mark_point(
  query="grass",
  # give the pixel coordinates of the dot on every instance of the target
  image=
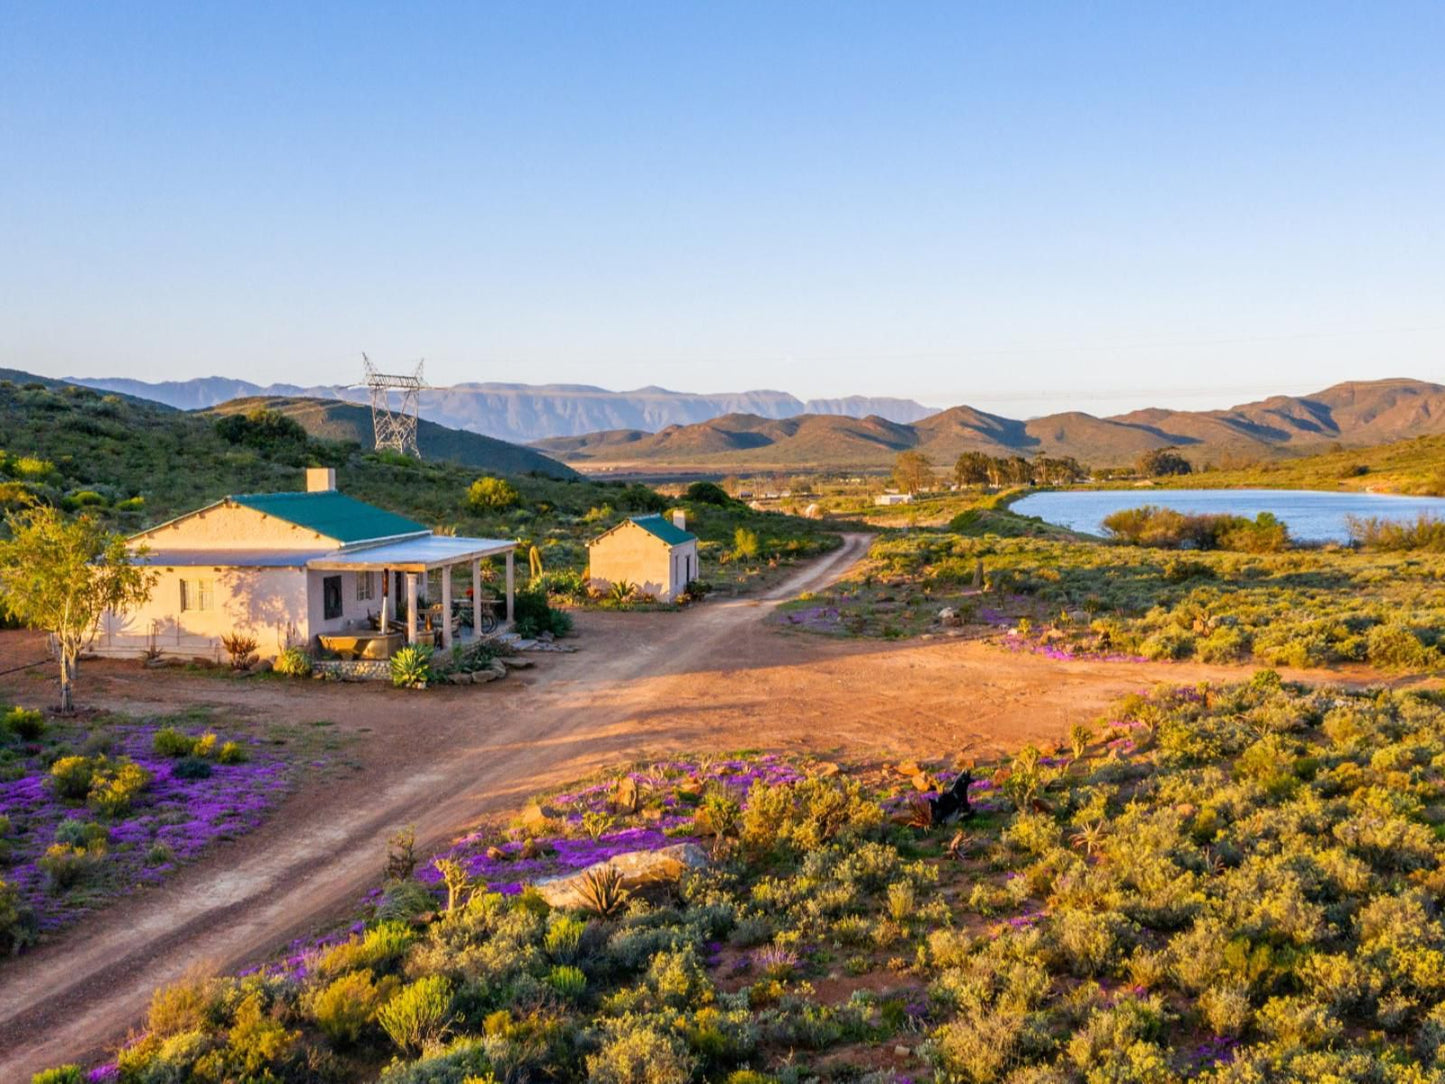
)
(1221, 883)
(1414, 467)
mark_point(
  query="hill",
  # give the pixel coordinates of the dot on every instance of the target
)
(1354, 414)
(328, 419)
(140, 462)
(529, 412)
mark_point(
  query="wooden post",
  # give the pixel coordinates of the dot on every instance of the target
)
(411, 607)
(477, 599)
(511, 584)
(446, 607)
(385, 601)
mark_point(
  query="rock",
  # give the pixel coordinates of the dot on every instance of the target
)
(496, 854)
(827, 769)
(948, 617)
(265, 666)
(900, 1051)
(923, 782)
(546, 637)
(637, 869)
(481, 677)
(496, 667)
(513, 663)
(203, 663)
(535, 817)
(908, 768)
(624, 795)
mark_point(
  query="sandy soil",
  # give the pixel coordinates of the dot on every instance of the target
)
(711, 678)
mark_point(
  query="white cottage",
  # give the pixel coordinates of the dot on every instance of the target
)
(657, 556)
(287, 568)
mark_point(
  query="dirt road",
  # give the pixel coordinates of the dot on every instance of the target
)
(714, 677)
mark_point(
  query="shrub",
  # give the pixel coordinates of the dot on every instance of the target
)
(568, 981)
(1393, 647)
(71, 777)
(24, 723)
(708, 493)
(745, 544)
(534, 616)
(65, 865)
(114, 790)
(293, 662)
(637, 1053)
(61, 1074)
(79, 833)
(602, 892)
(170, 742)
(257, 1040)
(419, 1014)
(411, 667)
(231, 753)
(241, 648)
(492, 494)
(192, 768)
(346, 1007)
(14, 918)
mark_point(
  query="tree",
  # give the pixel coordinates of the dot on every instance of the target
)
(971, 469)
(62, 575)
(1163, 461)
(495, 494)
(912, 471)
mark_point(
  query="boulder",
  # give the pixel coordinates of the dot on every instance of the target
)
(481, 677)
(511, 662)
(535, 818)
(948, 617)
(624, 795)
(637, 869)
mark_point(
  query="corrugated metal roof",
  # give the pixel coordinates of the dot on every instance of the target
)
(414, 554)
(226, 558)
(332, 514)
(664, 528)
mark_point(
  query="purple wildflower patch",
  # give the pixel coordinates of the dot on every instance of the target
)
(172, 821)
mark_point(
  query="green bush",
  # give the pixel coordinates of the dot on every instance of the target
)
(71, 777)
(293, 662)
(708, 493)
(170, 742)
(493, 494)
(114, 789)
(345, 1008)
(63, 1074)
(231, 753)
(411, 667)
(419, 1014)
(534, 616)
(23, 723)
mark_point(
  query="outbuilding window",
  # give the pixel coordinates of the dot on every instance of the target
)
(331, 597)
(198, 594)
(365, 586)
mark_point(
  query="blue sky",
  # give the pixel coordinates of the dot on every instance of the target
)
(1027, 207)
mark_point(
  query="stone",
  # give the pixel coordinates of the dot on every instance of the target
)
(496, 667)
(535, 817)
(512, 663)
(546, 637)
(481, 677)
(948, 617)
(496, 854)
(922, 782)
(827, 769)
(637, 869)
(265, 666)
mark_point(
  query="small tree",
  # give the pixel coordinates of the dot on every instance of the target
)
(1163, 461)
(913, 471)
(492, 494)
(62, 575)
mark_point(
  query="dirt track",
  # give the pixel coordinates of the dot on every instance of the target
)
(711, 678)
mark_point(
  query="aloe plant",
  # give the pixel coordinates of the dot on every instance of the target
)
(411, 668)
(602, 891)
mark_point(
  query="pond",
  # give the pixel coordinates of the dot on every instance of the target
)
(1312, 516)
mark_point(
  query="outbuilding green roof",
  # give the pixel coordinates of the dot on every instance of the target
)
(663, 528)
(332, 514)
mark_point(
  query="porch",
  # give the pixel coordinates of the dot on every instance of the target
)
(404, 566)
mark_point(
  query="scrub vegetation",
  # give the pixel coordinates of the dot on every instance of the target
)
(1231, 884)
(1219, 589)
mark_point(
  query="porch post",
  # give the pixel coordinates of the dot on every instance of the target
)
(411, 607)
(385, 601)
(477, 598)
(446, 607)
(511, 584)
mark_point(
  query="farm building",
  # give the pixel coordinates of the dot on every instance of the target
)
(656, 555)
(287, 569)
(886, 500)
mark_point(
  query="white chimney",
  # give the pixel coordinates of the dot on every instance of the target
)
(320, 479)
(679, 519)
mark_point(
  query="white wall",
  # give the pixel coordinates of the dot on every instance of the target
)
(231, 527)
(267, 604)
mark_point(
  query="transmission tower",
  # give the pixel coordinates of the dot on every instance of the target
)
(395, 428)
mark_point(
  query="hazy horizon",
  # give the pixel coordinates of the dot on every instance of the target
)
(1023, 210)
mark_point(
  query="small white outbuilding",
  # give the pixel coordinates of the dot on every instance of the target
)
(656, 555)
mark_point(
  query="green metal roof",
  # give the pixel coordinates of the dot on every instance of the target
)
(664, 529)
(332, 514)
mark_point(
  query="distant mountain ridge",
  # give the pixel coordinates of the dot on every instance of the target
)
(1355, 413)
(525, 413)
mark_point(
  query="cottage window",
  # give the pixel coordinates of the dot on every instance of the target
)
(198, 595)
(365, 586)
(331, 597)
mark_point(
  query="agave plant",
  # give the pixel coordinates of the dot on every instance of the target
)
(602, 891)
(920, 814)
(622, 591)
(293, 662)
(411, 668)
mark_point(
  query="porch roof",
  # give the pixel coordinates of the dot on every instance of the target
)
(413, 554)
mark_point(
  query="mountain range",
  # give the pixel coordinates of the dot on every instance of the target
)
(523, 413)
(1356, 413)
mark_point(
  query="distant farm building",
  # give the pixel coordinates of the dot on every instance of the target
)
(886, 500)
(287, 569)
(656, 555)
